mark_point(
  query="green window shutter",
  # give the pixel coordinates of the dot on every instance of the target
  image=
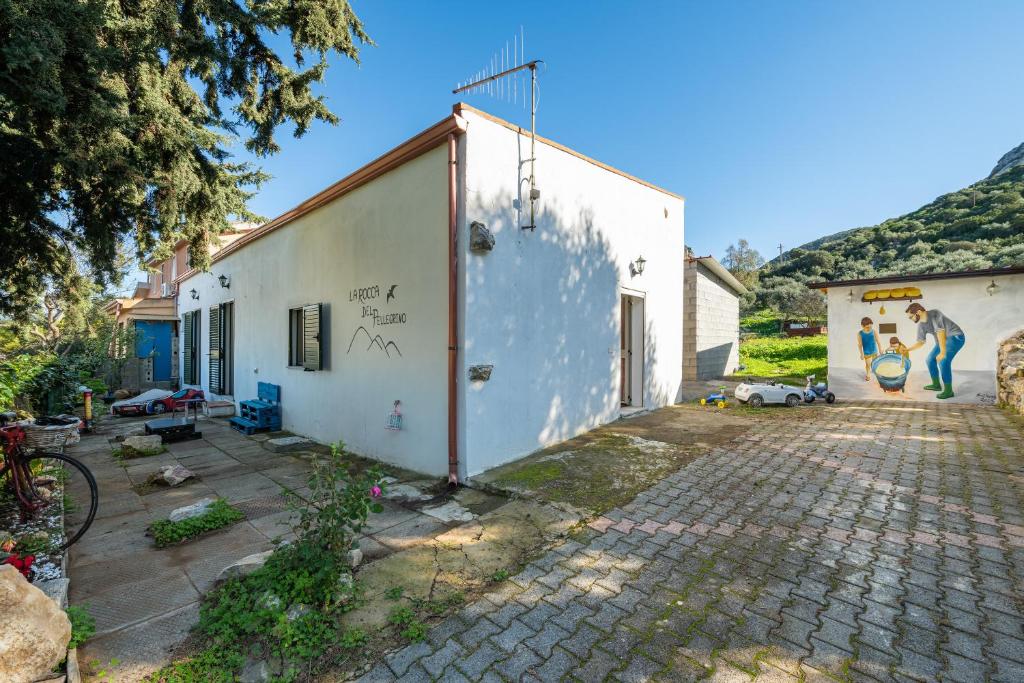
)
(186, 344)
(312, 335)
(215, 350)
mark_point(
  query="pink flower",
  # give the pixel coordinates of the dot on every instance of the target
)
(375, 492)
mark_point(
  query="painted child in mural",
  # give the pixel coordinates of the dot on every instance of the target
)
(949, 339)
(868, 344)
(896, 346)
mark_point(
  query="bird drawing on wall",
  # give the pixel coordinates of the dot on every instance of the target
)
(391, 293)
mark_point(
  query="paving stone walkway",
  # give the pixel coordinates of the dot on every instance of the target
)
(867, 542)
(145, 600)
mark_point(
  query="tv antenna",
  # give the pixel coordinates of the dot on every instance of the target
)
(501, 78)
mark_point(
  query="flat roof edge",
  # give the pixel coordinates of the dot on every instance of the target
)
(986, 272)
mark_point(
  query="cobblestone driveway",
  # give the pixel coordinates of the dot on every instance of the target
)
(862, 542)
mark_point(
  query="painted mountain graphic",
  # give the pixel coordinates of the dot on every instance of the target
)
(376, 342)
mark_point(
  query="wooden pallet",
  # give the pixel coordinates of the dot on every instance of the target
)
(261, 414)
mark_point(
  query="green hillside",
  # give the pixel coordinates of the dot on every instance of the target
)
(981, 226)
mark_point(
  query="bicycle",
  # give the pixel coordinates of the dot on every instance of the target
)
(32, 476)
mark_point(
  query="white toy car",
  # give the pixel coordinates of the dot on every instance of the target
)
(756, 395)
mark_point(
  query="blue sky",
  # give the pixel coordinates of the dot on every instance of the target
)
(779, 121)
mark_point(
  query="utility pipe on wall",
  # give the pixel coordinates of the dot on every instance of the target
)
(453, 310)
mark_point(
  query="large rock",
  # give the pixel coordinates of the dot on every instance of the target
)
(172, 475)
(245, 566)
(194, 510)
(146, 442)
(36, 632)
(1010, 373)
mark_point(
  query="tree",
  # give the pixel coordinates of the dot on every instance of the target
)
(116, 120)
(743, 261)
(808, 305)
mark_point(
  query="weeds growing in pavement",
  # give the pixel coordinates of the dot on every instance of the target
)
(289, 611)
(219, 514)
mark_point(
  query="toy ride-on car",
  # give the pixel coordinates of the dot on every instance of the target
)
(717, 398)
(177, 400)
(756, 395)
(819, 390)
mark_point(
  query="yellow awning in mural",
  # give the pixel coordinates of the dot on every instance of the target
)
(896, 293)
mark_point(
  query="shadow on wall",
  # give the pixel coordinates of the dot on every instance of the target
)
(714, 362)
(543, 306)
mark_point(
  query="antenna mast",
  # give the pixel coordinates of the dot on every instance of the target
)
(507, 82)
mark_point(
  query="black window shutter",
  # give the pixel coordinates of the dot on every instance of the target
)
(312, 333)
(215, 351)
(186, 324)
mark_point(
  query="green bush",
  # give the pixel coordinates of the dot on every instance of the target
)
(220, 514)
(37, 382)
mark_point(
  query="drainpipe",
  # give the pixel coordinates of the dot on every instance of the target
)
(453, 321)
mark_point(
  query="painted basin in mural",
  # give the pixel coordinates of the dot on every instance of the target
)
(890, 369)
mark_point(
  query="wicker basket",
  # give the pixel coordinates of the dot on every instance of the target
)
(51, 437)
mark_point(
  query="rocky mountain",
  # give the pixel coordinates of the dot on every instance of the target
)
(979, 226)
(1015, 157)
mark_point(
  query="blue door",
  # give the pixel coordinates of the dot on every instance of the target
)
(153, 338)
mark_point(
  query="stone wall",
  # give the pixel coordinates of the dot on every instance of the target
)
(1010, 372)
(711, 325)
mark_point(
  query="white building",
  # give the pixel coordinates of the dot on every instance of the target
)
(711, 323)
(896, 354)
(512, 340)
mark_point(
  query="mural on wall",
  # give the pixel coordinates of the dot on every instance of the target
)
(890, 364)
(365, 297)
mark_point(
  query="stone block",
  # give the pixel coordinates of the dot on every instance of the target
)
(245, 566)
(194, 510)
(145, 442)
(287, 444)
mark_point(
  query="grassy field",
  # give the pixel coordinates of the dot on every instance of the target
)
(785, 358)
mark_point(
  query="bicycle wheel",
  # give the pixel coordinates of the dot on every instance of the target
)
(77, 490)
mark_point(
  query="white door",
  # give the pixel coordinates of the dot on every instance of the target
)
(631, 361)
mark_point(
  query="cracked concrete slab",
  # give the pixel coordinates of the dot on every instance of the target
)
(462, 559)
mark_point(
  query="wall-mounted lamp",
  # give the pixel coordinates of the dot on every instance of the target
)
(195, 294)
(225, 281)
(849, 297)
(992, 288)
(637, 267)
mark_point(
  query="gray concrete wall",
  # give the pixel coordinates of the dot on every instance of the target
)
(711, 325)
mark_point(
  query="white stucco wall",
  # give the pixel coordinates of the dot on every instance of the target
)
(711, 325)
(392, 231)
(543, 306)
(985, 320)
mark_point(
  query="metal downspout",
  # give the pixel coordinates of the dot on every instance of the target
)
(453, 311)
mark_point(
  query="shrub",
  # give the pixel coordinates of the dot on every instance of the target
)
(220, 514)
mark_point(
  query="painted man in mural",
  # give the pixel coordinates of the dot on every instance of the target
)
(949, 339)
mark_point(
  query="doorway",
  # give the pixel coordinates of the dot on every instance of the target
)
(631, 360)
